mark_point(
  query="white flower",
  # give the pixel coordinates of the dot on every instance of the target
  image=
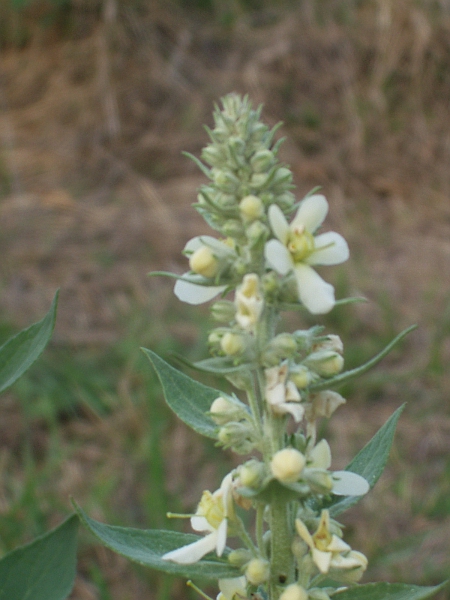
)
(211, 518)
(328, 550)
(298, 250)
(281, 395)
(249, 302)
(206, 253)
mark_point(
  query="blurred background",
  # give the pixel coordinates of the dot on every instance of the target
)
(98, 98)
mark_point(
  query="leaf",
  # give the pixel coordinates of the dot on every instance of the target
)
(43, 569)
(188, 399)
(146, 547)
(347, 375)
(388, 591)
(219, 365)
(20, 352)
(370, 461)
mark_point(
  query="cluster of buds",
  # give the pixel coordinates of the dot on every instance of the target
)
(268, 263)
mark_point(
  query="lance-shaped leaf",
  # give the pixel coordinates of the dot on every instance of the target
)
(388, 591)
(188, 399)
(43, 569)
(369, 462)
(147, 547)
(348, 375)
(19, 352)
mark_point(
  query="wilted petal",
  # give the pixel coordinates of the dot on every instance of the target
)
(196, 294)
(316, 294)
(311, 213)
(278, 257)
(346, 483)
(192, 553)
(278, 223)
(332, 249)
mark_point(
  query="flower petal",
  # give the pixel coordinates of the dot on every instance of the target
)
(192, 553)
(221, 537)
(347, 483)
(233, 587)
(278, 257)
(278, 223)
(313, 291)
(322, 560)
(311, 213)
(320, 456)
(199, 523)
(196, 294)
(331, 249)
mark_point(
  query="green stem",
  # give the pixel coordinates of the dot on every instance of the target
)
(282, 564)
(259, 527)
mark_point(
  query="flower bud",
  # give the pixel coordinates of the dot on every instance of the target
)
(285, 201)
(212, 155)
(237, 144)
(294, 592)
(223, 410)
(226, 181)
(237, 436)
(281, 347)
(262, 160)
(282, 177)
(251, 473)
(332, 342)
(320, 481)
(287, 465)
(258, 180)
(258, 131)
(232, 344)
(238, 558)
(257, 571)
(301, 376)
(222, 311)
(233, 228)
(256, 232)
(251, 208)
(325, 363)
(203, 262)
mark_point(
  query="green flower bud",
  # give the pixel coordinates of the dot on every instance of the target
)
(282, 177)
(258, 131)
(225, 181)
(223, 311)
(262, 160)
(281, 347)
(238, 558)
(257, 232)
(237, 436)
(251, 474)
(301, 376)
(257, 571)
(258, 180)
(285, 201)
(325, 363)
(237, 144)
(223, 410)
(232, 344)
(212, 155)
(320, 481)
(233, 228)
(251, 208)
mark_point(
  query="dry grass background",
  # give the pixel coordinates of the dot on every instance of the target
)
(95, 111)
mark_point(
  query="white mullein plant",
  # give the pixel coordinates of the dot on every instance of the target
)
(262, 262)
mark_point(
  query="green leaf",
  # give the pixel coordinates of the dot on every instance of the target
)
(43, 569)
(221, 366)
(188, 399)
(369, 462)
(347, 375)
(146, 547)
(20, 352)
(388, 591)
